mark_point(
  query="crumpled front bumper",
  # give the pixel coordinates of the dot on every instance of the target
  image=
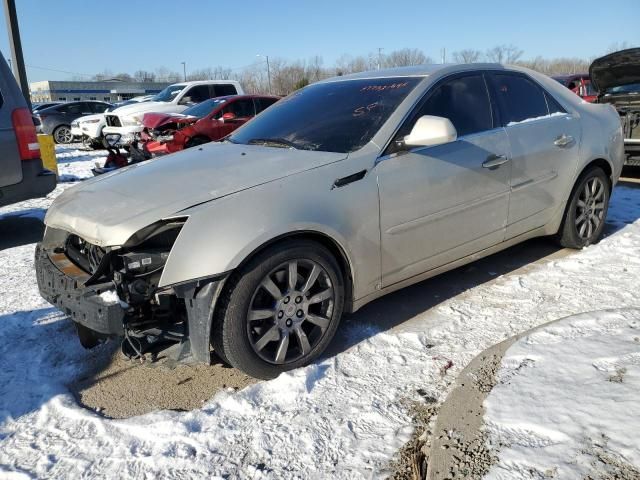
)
(88, 306)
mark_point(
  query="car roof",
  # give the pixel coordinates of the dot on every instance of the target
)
(416, 71)
(203, 82)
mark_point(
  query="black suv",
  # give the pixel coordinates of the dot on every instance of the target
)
(21, 173)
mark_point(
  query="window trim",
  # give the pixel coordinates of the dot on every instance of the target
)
(495, 114)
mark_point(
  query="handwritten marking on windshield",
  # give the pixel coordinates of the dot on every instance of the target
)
(382, 88)
(364, 109)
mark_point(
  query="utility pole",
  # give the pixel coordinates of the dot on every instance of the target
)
(380, 57)
(16, 49)
(184, 70)
(444, 55)
(268, 70)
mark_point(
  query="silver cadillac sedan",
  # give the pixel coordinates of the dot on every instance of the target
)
(344, 191)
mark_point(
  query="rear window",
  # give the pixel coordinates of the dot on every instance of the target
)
(519, 98)
(264, 103)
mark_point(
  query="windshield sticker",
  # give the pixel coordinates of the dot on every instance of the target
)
(382, 88)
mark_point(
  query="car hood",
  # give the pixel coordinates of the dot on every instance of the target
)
(144, 107)
(155, 120)
(86, 118)
(616, 69)
(109, 209)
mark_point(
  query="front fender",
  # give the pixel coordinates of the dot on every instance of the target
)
(220, 235)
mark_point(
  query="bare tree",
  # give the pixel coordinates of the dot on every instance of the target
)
(617, 46)
(405, 57)
(467, 55)
(144, 76)
(504, 54)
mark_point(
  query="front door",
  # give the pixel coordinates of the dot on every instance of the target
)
(441, 203)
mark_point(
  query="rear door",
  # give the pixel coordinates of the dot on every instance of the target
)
(10, 163)
(544, 141)
(223, 89)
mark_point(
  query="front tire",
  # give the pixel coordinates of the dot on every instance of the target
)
(280, 310)
(586, 211)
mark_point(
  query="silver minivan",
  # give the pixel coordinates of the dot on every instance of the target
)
(22, 175)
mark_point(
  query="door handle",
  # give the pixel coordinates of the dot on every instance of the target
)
(494, 161)
(563, 141)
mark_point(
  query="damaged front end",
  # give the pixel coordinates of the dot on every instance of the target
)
(161, 133)
(115, 292)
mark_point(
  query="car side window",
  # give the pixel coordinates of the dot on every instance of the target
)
(72, 109)
(463, 100)
(223, 89)
(553, 105)
(264, 103)
(241, 108)
(519, 98)
(99, 107)
(197, 94)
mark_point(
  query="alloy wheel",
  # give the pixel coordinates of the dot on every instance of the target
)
(290, 311)
(590, 208)
(63, 135)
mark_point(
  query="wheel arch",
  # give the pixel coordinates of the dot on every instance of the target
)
(331, 244)
(603, 163)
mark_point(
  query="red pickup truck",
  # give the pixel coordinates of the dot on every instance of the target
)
(580, 84)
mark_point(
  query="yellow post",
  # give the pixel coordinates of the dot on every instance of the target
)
(48, 152)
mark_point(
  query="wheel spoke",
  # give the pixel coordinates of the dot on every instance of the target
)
(580, 219)
(272, 288)
(581, 204)
(260, 314)
(582, 230)
(599, 191)
(321, 297)
(594, 183)
(293, 275)
(589, 228)
(281, 354)
(303, 340)
(596, 221)
(322, 322)
(587, 192)
(272, 335)
(313, 276)
(599, 206)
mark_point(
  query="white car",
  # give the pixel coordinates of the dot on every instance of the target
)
(126, 121)
(89, 128)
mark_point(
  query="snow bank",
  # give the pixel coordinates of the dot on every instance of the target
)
(567, 398)
(340, 418)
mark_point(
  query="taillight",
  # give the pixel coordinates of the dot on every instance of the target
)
(25, 131)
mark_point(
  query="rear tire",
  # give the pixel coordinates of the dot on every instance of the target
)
(62, 134)
(586, 211)
(266, 330)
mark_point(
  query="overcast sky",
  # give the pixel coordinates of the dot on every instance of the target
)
(87, 37)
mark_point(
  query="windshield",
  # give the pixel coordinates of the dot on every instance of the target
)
(631, 88)
(168, 93)
(204, 108)
(331, 117)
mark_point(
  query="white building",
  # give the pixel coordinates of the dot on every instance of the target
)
(112, 90)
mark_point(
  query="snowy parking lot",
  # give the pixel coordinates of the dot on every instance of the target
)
(345, 416)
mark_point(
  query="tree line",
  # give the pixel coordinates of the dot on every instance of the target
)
(287, 76)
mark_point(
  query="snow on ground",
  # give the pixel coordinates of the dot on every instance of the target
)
(340, 418)
(566, 402)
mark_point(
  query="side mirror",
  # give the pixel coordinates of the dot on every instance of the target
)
(229, 116)
(430, 130)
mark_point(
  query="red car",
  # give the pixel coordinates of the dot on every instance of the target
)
(210, 120)
(580, 84)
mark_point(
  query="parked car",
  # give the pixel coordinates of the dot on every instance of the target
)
(126, 122)
(617, 78)
(22, 175)
(580, 84)
(41, 106)
(57, 120)
(345, 190)
(210, 120)
(89, 128)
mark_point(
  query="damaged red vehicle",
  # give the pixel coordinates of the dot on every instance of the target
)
(210, 120)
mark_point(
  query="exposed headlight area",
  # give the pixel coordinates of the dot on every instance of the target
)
(119, 285)
(131, 122)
